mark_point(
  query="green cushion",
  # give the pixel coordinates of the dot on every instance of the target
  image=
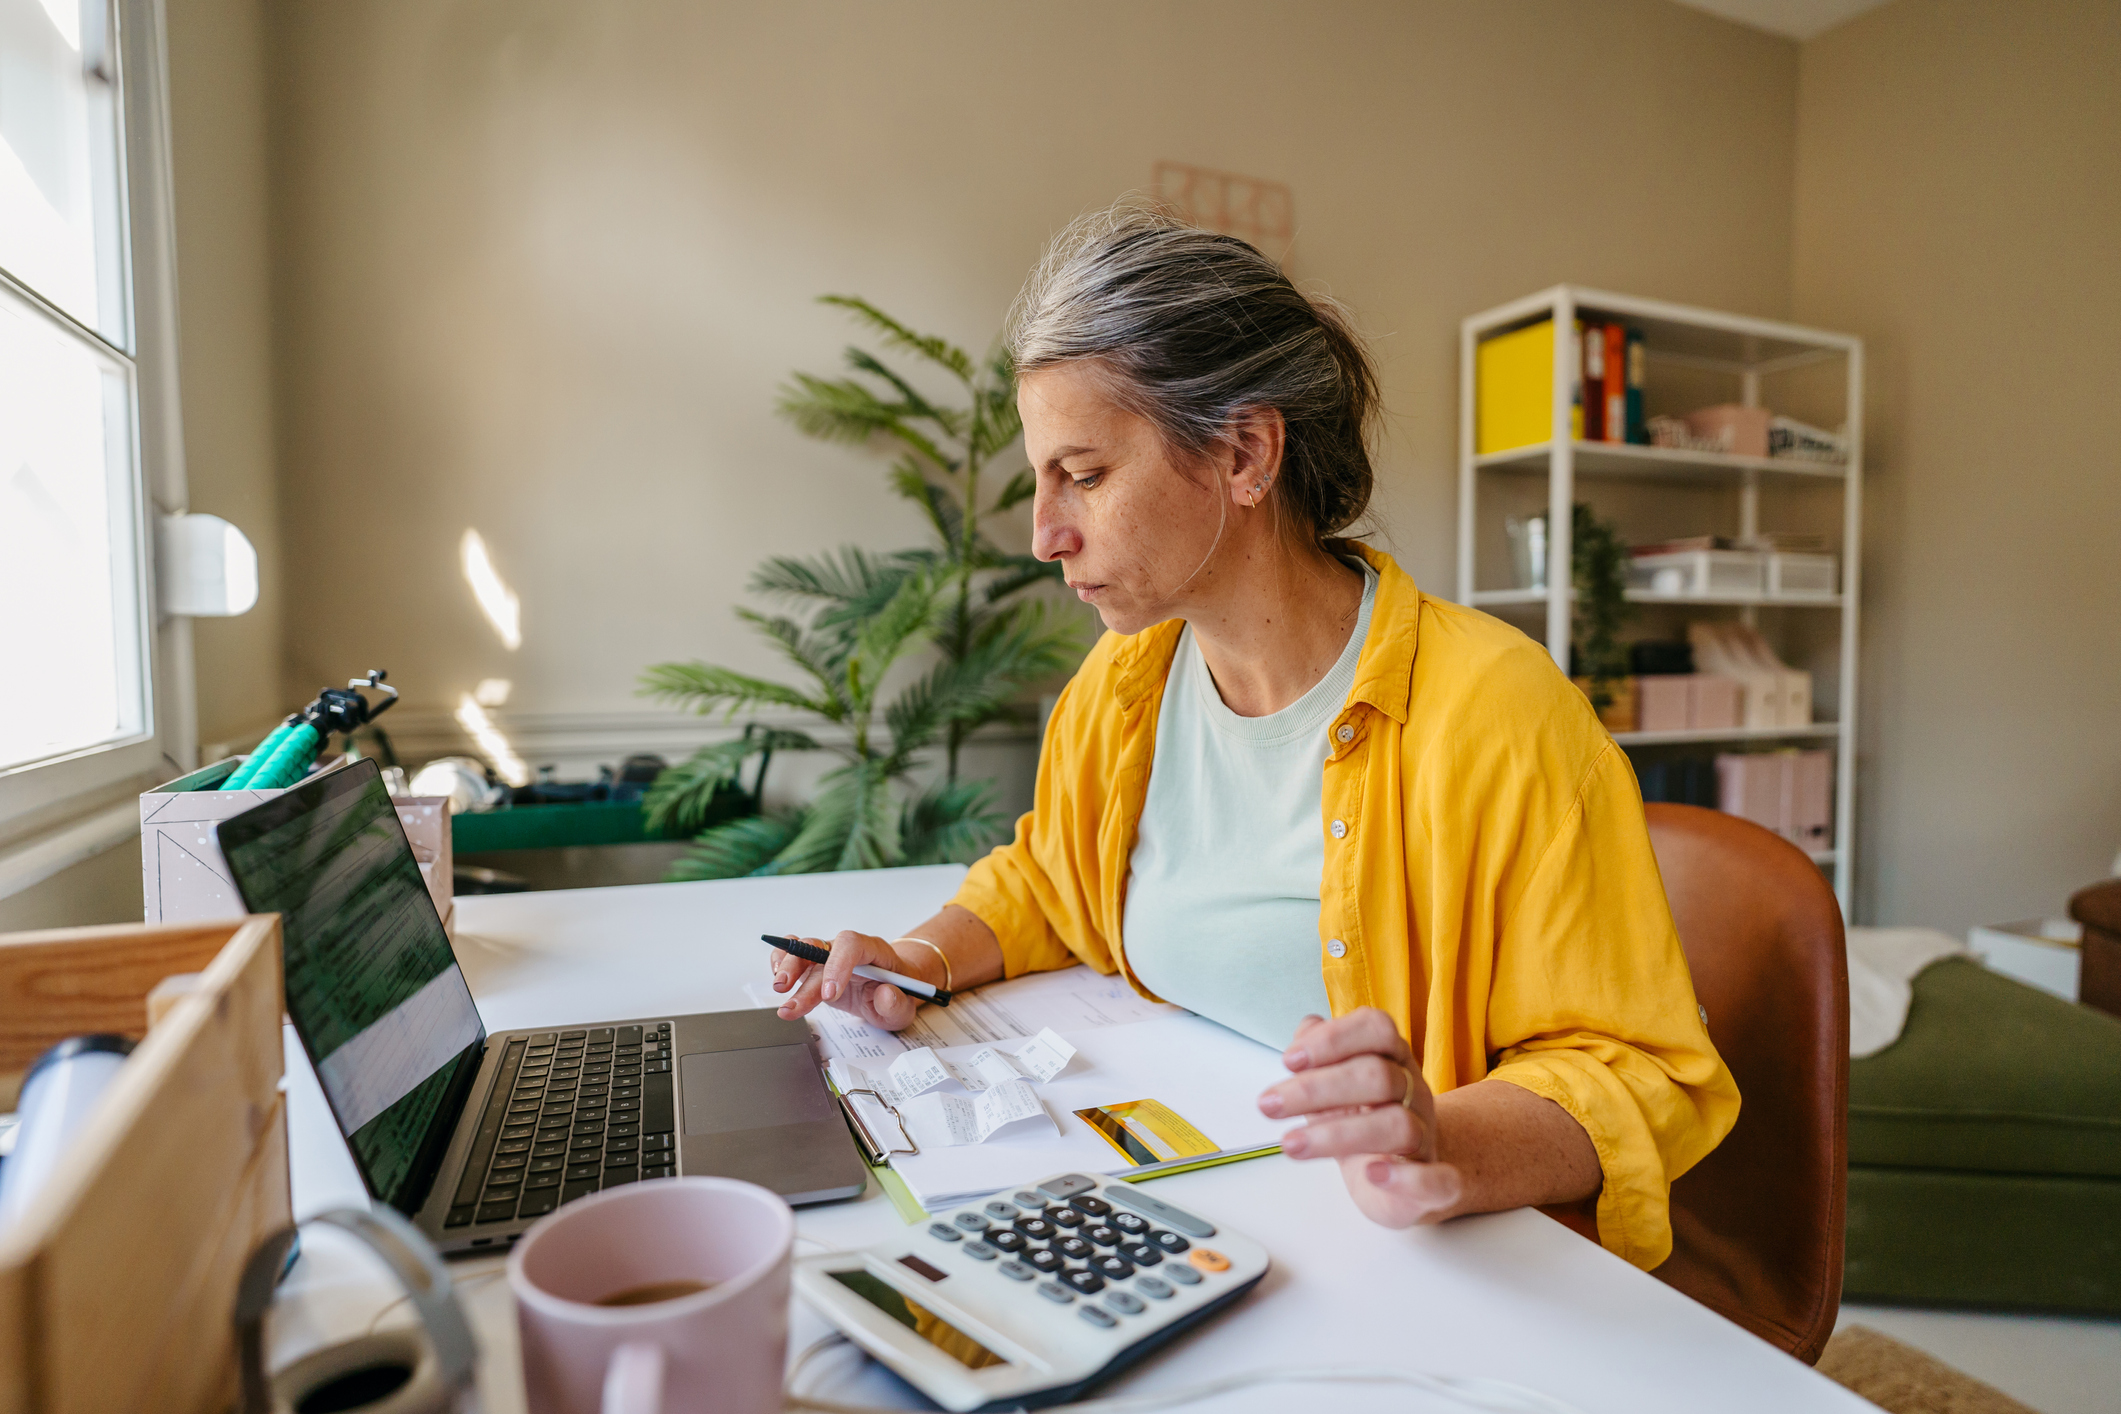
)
(1991, 1076)
(1931, 1238)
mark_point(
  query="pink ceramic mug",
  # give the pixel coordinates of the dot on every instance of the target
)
(665, 1297)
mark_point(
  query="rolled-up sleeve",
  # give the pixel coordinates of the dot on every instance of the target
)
(1036, 891)
(1592, 1007)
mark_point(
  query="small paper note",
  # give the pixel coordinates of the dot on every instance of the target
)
(912, 1073)
(1045, 1055)
(999, 1086)
(1041, 1058)
(946, 1121)
(920, 1070)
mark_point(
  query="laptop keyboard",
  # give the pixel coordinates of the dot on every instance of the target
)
(572, 1112)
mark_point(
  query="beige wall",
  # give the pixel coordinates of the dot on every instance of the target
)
(1959, 204)
(218, 128)
(542, 265)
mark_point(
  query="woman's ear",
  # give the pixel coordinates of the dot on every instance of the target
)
(1254, 438)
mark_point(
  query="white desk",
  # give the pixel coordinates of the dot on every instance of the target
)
(1511, 1295)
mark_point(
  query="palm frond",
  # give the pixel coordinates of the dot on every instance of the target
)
(951, 822)
(815, 847)
(887, 634)
(704, 687)
(1021, 572)
(851, 576)
(1020, 488)
(852, 823)
(821, 657)
(950, 420)
(678, 800)
(854, 585)
(936, 502)
(995, 420)
(873, 838)
(929, 346)
(835, 410)
(1003, 652)
(739, 847)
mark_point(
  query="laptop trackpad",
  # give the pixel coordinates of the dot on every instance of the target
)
(752, 1089)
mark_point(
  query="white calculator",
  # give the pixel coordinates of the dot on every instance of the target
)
(1034, 1295)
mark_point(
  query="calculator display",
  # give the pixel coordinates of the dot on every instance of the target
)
(918, 1319)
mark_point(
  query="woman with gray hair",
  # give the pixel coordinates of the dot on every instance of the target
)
(1293, 793)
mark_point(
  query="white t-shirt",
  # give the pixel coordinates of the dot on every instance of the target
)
(1222, 894)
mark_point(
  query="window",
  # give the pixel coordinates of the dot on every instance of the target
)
(81, 153)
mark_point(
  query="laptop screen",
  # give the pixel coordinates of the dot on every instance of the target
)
(372, 985)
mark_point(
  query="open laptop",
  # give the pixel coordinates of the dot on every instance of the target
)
(475, 1137)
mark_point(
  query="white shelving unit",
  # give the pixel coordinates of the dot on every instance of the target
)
(1704, 341)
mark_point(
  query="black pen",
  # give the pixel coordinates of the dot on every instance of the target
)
(911, 986)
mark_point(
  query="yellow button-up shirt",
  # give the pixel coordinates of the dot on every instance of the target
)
(1488, 882)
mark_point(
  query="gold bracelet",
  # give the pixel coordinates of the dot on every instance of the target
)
(948, 985)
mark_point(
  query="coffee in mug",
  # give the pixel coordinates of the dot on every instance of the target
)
(664, 1297)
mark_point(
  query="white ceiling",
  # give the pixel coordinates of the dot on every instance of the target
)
(1793, 19)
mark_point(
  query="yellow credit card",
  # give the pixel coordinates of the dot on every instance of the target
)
(1147, 1131)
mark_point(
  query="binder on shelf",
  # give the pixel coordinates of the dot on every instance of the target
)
(1638, 376)
(1591, 386)
(1615, 427)
(1513, 390)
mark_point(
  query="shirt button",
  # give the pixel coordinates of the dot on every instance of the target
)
(1345, 734)
(1340, 829)
(1336, 948)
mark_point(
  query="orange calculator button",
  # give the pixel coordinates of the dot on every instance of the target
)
(1208, 1259)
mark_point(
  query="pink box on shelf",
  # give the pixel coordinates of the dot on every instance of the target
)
(1678, 702)
(1789, 792)
(1743, 431)
(1717, 703)
(1661, 703)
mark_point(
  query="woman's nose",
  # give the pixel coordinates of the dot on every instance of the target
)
(1051, 534)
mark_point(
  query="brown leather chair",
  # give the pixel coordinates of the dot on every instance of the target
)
(1757, 1225)
(2098, 908)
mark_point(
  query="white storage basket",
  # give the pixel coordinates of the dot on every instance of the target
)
(1696, 574)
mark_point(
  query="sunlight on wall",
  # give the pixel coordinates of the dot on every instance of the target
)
(499, 603)
(492, 745)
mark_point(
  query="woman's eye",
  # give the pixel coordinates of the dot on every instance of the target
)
(1084, 483)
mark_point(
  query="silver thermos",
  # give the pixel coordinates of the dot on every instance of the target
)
(57, 1095)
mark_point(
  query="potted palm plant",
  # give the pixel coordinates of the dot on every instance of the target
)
(853, 614)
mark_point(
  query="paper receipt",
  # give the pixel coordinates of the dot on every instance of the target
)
(999, 1086)
(920, 1070)
(943, 1121)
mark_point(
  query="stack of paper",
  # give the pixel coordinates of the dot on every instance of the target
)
(1148, 1087)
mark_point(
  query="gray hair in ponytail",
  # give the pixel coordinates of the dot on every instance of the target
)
(1194, 328)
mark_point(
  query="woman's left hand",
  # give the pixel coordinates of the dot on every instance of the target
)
(1365, 1103)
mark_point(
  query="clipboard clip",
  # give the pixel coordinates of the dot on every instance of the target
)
(877, 1153)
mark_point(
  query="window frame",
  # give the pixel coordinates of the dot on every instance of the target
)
(49, 797)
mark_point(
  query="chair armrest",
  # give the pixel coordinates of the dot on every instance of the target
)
(2098, 906)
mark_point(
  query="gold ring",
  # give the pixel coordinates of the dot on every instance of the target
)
(1406, 1101)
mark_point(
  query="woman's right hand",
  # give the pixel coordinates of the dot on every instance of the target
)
(878, 1003)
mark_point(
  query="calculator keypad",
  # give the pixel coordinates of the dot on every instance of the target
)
(1074, 1245)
